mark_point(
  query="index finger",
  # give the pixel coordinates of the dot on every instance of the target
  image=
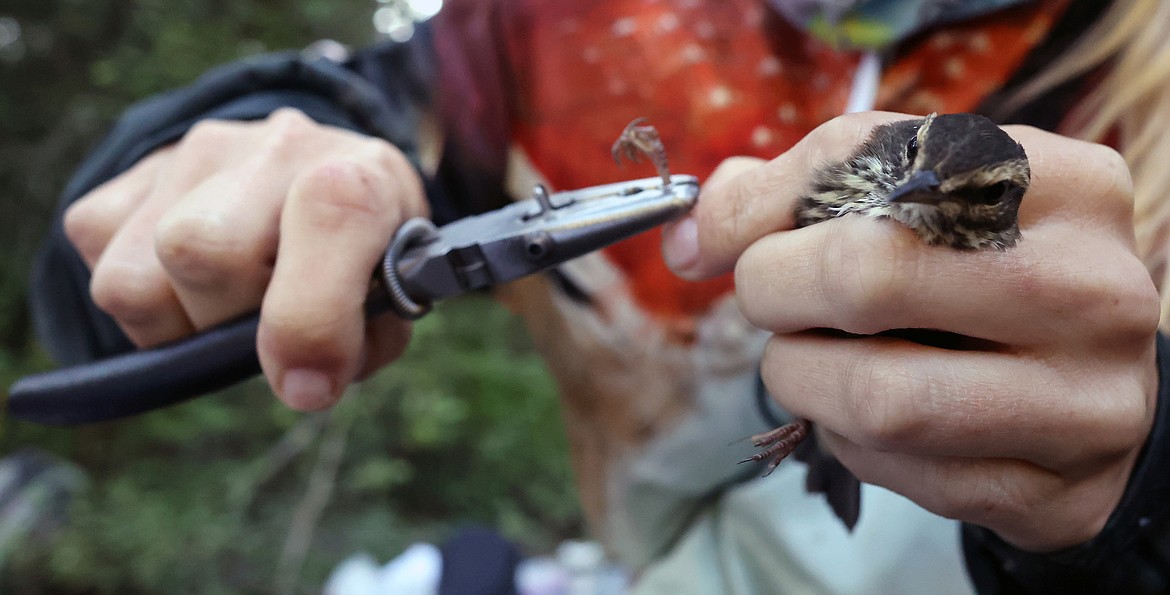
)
(733, 213)
(334, 230)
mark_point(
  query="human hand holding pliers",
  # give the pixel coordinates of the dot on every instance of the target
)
(422, 264)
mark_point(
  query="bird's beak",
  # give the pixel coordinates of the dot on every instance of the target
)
(922, 188)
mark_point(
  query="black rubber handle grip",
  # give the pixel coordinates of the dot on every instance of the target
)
(140, 381)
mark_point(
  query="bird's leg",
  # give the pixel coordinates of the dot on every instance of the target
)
(636, 140)
(779, 442)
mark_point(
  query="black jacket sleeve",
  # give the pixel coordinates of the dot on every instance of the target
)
(375, 92)
(1131, 555)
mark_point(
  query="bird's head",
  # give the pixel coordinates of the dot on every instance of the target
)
(964, 178)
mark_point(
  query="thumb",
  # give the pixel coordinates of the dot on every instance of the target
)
(747, 198)
(703, 244)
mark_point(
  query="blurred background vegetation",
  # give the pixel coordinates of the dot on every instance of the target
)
(234, 493)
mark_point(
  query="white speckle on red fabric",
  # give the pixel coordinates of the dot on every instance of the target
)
(667, 22)
(954, 67)
(770, 66)
(720, 96)
(787, 113)
(694, 53)
(762, 136)
(624, 27)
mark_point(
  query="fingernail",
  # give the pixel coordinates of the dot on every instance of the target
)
(306, 389)
(680, 245)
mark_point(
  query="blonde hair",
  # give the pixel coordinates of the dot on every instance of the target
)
(1132, 101)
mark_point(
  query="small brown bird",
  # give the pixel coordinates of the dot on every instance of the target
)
(955, 179)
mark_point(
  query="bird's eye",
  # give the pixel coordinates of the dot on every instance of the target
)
(912, 149)
(988, 195)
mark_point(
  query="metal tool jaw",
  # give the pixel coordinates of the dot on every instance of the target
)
(424, 263)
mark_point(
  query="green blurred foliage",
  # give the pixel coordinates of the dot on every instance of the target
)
(214, 495)
(463, 429)
(83, 61)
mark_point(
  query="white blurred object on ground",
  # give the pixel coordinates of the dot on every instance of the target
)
(415, 571)
(577, 568)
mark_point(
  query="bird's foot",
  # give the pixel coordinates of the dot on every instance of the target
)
(637, 140)
(779, 443)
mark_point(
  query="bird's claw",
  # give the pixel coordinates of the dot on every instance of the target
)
(637, 140)
(780, 443)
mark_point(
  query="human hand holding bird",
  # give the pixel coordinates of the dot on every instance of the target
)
(1029, 418)
(956, 180)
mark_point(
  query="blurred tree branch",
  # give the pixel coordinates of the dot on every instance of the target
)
(318, 491)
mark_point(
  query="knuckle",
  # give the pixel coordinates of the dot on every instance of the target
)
(1096, 290)
(1096, 180)
(285, 129)
(85, 227)
(207, 133)
(132, 295)
(343, 191)
(838, 130)
(1117, 182)
(1117, 416)
(982, 497)
(734, 166)
(396, 175)
(1134, 304)
(776, 377)
(831, 140)
(386, 156)
(1118, 299)
(861, 277)
(200, 250)
(723, 222)
(741, 214)
(288, 118)
(751, 291)
(884, 407)
(1070, 291)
